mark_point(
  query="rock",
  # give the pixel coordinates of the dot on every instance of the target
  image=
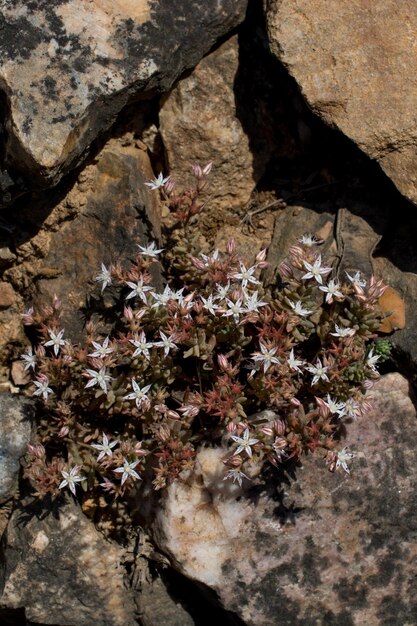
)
(68, 67)
(15, 431)
(157, 607)
(62, 571)
(100, 219)
(198, 124)
(7, 295)
(356, 67)
(326, 548)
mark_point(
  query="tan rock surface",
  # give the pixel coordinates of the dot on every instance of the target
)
(355, 62)
(68, 67)
(319, 547)
(198, 124)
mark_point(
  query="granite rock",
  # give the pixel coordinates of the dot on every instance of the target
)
(320, 548)
(68, 67)
(15, 431)
(62, 571)
(356, 65)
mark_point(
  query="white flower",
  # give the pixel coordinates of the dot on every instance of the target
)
(252, 303)
(210, 259)
(127, 469)
(30, 359)
(356, 279)
(71, 477)
(315, 270)
(138, 290)
(266, 356)
(101, 350)
(42, 388)
(222, 291)
(235, 309)
(150, 250)
(245, 442)
(342, 457)
(56, 340)
(246, 275)
(236, 475)
(142, 346)
(156, 183)
(105, 447)
(294, 363)
(164, 297)
(372, 359)
(319, 372)
(166, 343)
(352, 408)
(309, 240)
(335, 407)
(209, 305)
(98, 378)
(298, 308)
(332, 290)
(104, 277)
(138, 394)
(343, 332)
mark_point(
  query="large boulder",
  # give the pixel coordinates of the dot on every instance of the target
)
(356, 65)
(62, 571)
(198, 124)
(320, 548)
(68, 67)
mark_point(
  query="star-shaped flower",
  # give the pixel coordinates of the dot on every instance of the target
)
(319, 372)
(104, 277)
(234, 309)
(101, 350)
(105, 447)
(166, 343)
(315, 270)
(138, 290)
(335, 407)
(294, 363)
(252, 303)
(298, 308)
(332, 290)
(158, 182)
(42, 387)
(138, 394)
(99, 378)
(71, 478)
(246, 275)
(266, 356)
(309, 240)
(209, 305)
(372, 359)
(356, 279)
(341, 331)
(245, 442)
(30, 359)
(343, 456)
(236, 475)
(56, 340)
(150, 250)
(142, 346)
(127, 469)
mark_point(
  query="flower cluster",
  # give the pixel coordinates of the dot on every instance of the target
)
(200, 361)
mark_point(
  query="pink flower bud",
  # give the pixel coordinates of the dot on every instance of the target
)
(198, 263)
(295, 402)
(234, 461)
(279, 427)
(27, 317)
(231, 427)
(222, 361)
(173, 415)
(169, 186)
(262, 265)
(266, 430)
(230, 247)
(63, 431)
(128, 313)
(261, 256)
(196, 169)
(207, 168)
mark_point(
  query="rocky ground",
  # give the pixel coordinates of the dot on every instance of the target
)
(308, 113)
